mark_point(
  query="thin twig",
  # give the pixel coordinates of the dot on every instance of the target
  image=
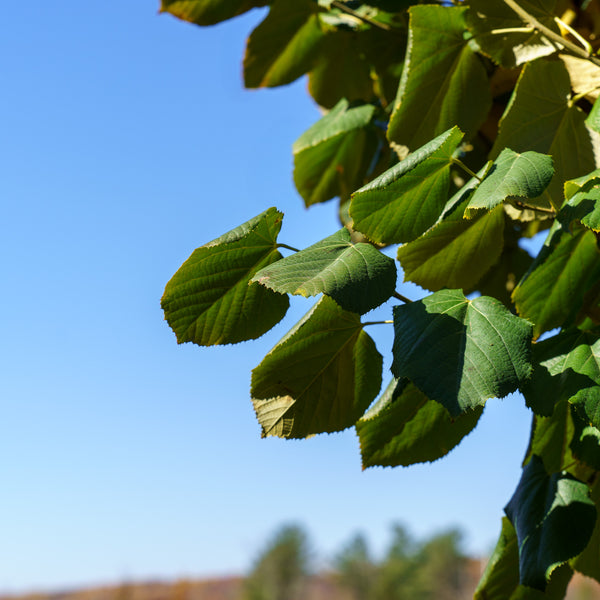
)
(402, 298)
(525, 206)
(461, 164)
(548, 33)
(377, 323)
(363, 18)
(288, 247)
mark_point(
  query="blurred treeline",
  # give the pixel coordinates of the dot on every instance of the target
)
(288, 568)
(430, 569)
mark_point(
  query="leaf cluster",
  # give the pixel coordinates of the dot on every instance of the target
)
(451, 133)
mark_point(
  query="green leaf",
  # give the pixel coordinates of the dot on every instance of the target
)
(512, 175)
(574, 185)
(444, 82)
(502, 278)
(461, 352)
(542, 118)
(455, 252)
(342, 70)
(404, 427)
(553, 516)
(551, 437)
(208, 12)
(588, 562)
(551, 293)
(208, 301)
(567, 367)
(585, 443)
(357, 276)
(489, 18)
(320, 377)
(583, 205)
(284, 46)
(593, 119)
(333, 156)
(407, 199)
(500, 580)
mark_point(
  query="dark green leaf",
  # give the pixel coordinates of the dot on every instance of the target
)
(443, 82)
(553, 516)
(500, 580)
(208, 301)
(404, 427)
(567, 367)
(407, 199)
(551, 437)
(284, 46)
(320, 377)
(585, 443)
(456, 252)
(551, 293)
(461, 352)
(332, 157)
(588, 562)
(342, 70)
(357, 276)
(512, 175)
(542, 118)
(208, 12)
(502, 278)
(489, 20)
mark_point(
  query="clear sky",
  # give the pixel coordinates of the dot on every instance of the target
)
(127, 141)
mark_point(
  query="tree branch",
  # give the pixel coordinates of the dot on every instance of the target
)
(402, 298)
(346, 9)
(548, 33)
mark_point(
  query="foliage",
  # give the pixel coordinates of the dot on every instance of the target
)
(453, 130)
(433, 569)
(281, 569)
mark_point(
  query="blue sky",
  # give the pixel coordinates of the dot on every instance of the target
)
(127, 141)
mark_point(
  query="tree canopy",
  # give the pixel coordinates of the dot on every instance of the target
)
(450, 133)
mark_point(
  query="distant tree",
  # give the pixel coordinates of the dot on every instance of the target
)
(282, 568)
(355, 569)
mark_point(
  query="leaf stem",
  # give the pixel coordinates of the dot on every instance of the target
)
(288, 247)
(549, 34)
(586, 45)
(512, 30)
(402, 298)
(464, 167)
(525, 206)
(346, 9)
(377, 323)
(577, 97)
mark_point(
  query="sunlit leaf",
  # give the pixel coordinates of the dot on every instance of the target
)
(208, 12)
(542, 118)
(208, 301)
(404, 427)
(357, 276)
(553, 516)
(332, 157)
(568, 369)
(320, 377)
(407, 199)
(284, 46)
(496, 28)
(551, 293)
(456, 252)
(512, 176)
(444, 82)
(461, 352)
